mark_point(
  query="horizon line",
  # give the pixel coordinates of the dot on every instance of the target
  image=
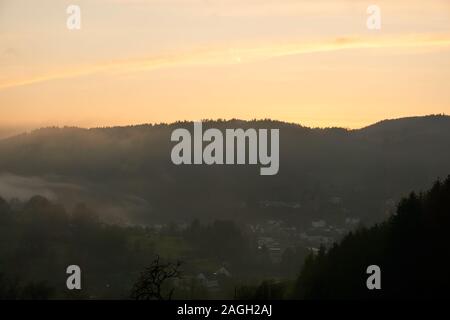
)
(32, 130)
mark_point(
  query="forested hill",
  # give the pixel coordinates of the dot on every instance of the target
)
(411, 249)
(324, 173)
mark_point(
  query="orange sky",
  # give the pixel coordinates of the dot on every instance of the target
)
(139, 61)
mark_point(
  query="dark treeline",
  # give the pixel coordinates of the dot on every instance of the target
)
(39, 239)
(411, 248)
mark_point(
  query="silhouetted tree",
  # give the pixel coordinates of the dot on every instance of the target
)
(152, 282)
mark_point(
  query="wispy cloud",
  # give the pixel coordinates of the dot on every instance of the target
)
(243, 54)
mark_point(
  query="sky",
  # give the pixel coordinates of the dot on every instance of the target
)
(312, 62)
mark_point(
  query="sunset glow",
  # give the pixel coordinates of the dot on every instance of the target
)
(313, 63)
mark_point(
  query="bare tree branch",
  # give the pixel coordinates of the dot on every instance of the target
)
(152, 280)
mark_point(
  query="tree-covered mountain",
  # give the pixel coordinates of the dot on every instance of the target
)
(327, 174)
(256, 227)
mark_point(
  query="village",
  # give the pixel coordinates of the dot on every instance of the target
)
(273, 239)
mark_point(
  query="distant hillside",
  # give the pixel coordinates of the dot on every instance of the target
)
(324, 173)
(8, 131)
(408, 128)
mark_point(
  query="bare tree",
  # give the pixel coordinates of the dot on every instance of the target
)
(150, 285)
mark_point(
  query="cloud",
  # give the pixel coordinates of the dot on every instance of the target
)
(10, 52)
(23, 188)
(242, 54)
(112, 207)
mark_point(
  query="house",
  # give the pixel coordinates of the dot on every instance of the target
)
(223, 272)
(319, 224)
